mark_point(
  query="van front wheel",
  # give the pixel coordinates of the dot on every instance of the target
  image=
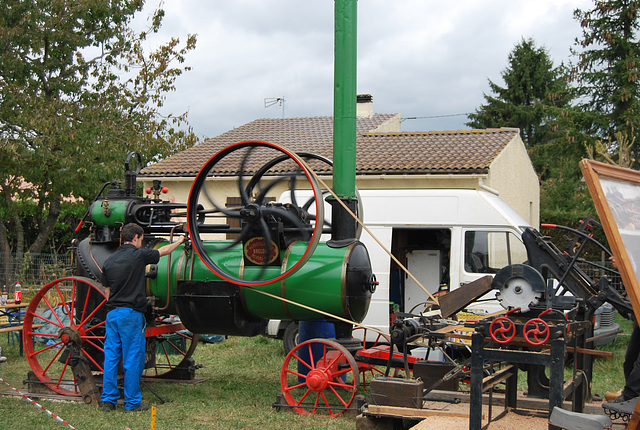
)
(290, 337)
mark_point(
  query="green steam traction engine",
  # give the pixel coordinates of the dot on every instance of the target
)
(225, 280)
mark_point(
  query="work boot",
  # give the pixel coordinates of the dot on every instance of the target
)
(612, 395)
(108, 407)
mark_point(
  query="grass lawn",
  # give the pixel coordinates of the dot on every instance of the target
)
(241, 382)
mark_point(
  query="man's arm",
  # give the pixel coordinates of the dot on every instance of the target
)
(169, 248)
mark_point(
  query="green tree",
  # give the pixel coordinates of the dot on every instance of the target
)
(78, 93)
(608, 60)
(534, 92)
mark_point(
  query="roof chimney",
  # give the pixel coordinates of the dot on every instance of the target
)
(364, 106)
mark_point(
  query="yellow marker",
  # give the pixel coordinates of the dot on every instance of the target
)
(153, 417)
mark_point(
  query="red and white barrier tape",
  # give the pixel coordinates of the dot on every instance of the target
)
(51, 414)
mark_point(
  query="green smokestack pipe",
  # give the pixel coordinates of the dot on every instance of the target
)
(344, 99)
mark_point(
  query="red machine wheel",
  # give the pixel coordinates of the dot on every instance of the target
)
(174, 349)
(536, 331)
(371, 340)
(76, 306)
(502, 330)
(319, 377)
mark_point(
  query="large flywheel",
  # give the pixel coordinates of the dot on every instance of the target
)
(243, 211)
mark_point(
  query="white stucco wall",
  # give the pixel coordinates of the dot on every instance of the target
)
(515, 179)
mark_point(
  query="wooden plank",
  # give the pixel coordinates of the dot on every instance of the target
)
(459, 298)
(15, 306)
(397, 411)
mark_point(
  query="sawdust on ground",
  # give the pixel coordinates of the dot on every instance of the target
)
(511, 421)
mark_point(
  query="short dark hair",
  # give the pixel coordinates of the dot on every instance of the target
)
(130, 231)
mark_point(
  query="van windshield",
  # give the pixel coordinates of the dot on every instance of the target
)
(489, 251)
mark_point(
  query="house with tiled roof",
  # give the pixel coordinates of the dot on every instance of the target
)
(386, 157)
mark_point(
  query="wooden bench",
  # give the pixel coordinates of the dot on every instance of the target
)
(17, 328)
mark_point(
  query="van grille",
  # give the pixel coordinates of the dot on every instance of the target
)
(607, 317)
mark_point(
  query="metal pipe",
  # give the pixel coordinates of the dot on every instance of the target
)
(344, 99)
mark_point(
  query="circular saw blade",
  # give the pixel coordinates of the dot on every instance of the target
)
(518, 292)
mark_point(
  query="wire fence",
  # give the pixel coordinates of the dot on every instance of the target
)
(33, 271)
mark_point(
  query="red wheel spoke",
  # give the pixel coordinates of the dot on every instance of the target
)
(166, 354)
(73, 302)
(84, 321)
(63, 301)
(344, 403)
(180, 351)
(315, 404)
(340, 384)
(49, 321)
(333, 361)
(34, 333)
(306, 393)
(311, 359)
(98, 347)
(293, 387)
(302, 361)
(326, 402)
(54, 358)
(92, 360)
(61, 324)
(97, 325)
(66, 366)
(84, 307)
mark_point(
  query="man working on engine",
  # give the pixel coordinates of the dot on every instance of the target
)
(124, 282)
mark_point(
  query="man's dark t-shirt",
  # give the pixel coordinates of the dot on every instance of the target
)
(123, 273)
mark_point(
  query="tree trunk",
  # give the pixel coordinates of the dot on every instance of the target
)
(47, 227)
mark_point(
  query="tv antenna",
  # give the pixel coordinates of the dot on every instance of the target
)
(270, 101)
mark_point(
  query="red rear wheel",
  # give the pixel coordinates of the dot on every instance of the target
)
(71, 308)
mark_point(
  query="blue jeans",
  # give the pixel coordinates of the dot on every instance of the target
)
(125, 338)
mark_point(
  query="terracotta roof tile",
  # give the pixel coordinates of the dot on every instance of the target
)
(464, 151)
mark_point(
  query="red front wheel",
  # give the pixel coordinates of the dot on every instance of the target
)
(319, 377)
(73, 312)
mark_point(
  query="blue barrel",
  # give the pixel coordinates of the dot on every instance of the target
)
(313, 329)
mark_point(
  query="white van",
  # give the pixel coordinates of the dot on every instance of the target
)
(444, 237)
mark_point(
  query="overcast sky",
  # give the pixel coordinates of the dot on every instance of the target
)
(419, 58)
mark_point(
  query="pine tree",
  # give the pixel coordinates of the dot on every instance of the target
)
(606, 73)
(534, 91)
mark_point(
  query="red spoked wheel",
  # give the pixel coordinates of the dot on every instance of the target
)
(371, 340)
(74, 309)
(536, 331)
(174, 348)
(502, 330)
(319, 377)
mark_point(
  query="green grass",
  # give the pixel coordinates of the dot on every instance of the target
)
(607, 371)
(241, 383)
